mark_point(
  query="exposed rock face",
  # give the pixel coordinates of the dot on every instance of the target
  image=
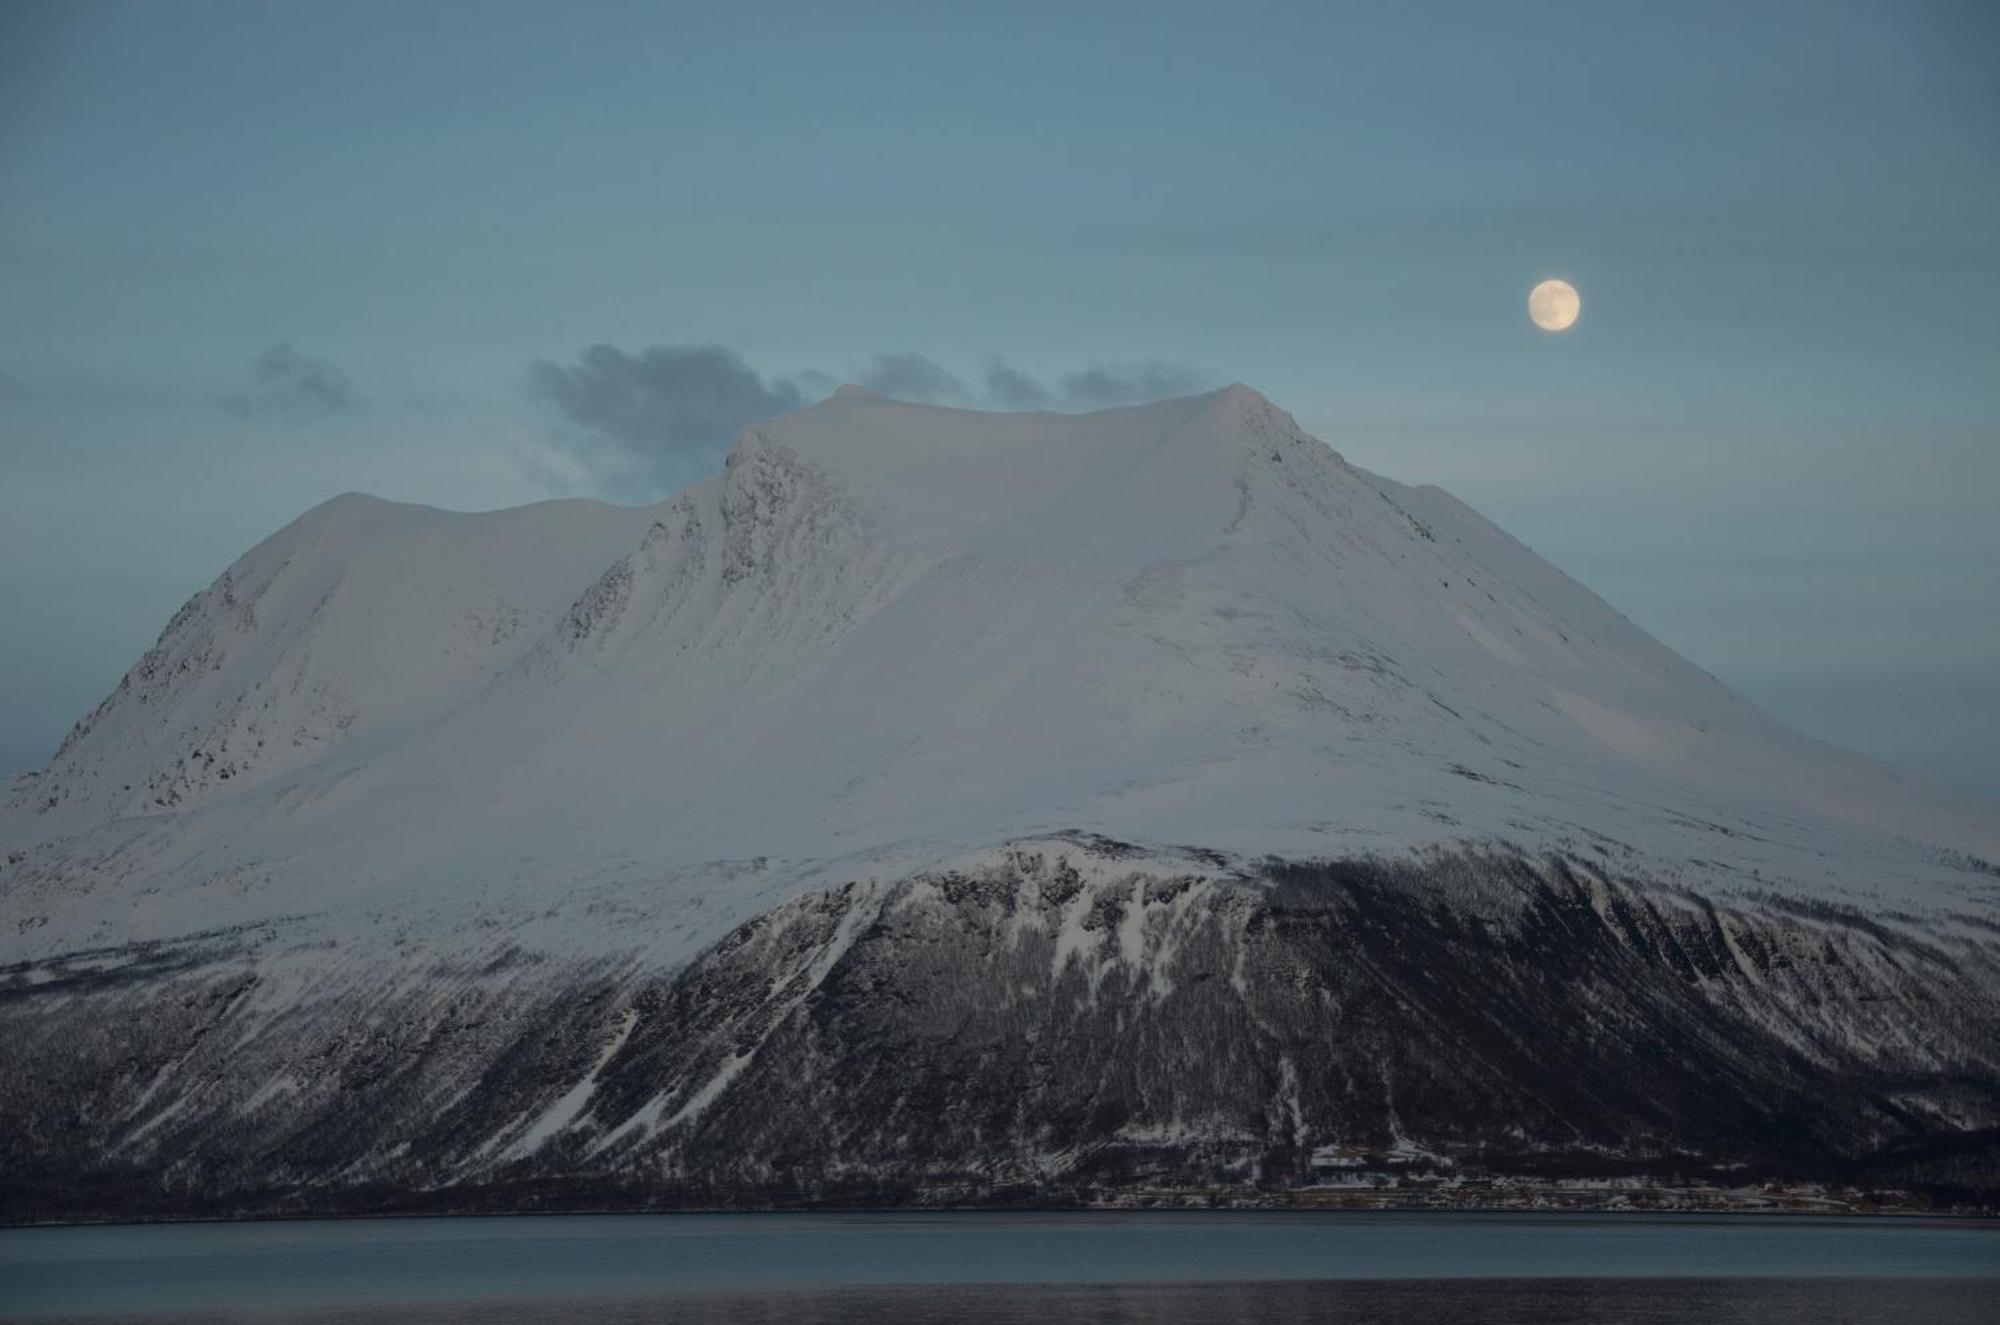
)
(1062, 1022)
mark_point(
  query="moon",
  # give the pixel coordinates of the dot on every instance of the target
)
(1554, 305)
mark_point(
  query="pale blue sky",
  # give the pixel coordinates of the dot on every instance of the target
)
(1774, 439)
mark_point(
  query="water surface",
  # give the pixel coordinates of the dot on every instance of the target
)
(1013, 1268)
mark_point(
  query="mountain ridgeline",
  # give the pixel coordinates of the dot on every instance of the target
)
(938, 807)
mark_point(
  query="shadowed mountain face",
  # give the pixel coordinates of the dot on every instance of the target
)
(776, 844)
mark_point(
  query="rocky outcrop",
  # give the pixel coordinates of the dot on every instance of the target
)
(1064, 1021)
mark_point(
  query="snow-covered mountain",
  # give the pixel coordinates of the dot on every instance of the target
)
(535, 847)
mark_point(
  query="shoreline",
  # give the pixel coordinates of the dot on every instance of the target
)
(1824, 1213)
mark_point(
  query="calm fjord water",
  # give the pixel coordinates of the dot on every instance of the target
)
(1012, 1267)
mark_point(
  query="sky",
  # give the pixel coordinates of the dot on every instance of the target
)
(254, 255)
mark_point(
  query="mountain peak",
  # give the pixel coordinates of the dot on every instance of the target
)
(1185, 621)
(1238, 391)
(544, 849)
(1121, 485)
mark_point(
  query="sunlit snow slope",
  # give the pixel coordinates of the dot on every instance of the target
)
(889, 634)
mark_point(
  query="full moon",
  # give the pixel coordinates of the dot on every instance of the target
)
(1554, 305)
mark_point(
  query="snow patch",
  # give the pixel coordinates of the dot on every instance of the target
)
(559, 1116)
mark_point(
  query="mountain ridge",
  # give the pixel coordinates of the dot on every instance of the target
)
(879, 604)
(578, 849)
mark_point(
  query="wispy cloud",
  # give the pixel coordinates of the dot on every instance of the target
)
(293, 388)
(910, 376)
(1105, 386)
(1009, 388)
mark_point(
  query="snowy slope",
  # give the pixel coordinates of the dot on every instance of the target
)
(891, 635)
(356, 616)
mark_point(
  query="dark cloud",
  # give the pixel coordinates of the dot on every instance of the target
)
(637, 425)
(294, 388)
(1100, 387)
(816, 384)
(910, 376)
(651, 419)
(1010, 388)
(1103, 387)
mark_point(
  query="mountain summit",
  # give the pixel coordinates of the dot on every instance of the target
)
(1131, 678)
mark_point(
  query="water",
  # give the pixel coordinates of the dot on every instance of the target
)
(1041, 1268)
